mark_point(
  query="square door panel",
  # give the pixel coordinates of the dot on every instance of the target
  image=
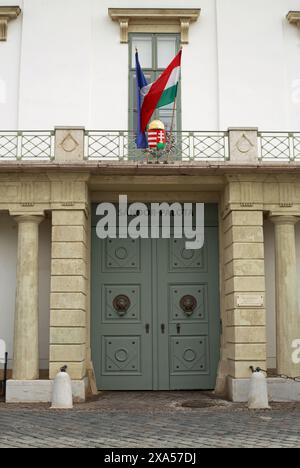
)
(189, 354)
(188, 302)
(121, 255)
(181, 259)
(121, 355)
(121, 303)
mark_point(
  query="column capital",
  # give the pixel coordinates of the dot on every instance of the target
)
(36, 219)
(284, 219)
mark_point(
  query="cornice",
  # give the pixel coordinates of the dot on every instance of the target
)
(154, 20)
(7, 13)
(294, 17)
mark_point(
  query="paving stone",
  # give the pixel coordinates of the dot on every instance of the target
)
(150, 420)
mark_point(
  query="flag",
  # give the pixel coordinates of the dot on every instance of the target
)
(141, 82)
(160, 93)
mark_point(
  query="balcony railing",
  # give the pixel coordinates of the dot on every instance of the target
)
(186, 146)
(27, 145)
(279, 146)
(117, 146)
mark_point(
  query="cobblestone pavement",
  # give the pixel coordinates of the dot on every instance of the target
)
(150, 420)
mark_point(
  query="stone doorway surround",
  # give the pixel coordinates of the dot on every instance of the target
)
(246, 191)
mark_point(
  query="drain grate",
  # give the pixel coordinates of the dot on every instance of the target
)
(202, 404)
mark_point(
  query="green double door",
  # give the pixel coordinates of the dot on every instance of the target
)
(155, 312)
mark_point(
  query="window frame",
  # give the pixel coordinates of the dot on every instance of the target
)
(154, 71)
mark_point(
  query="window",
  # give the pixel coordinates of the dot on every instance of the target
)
(156, 51)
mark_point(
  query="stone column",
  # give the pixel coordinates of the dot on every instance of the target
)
(26, 353)
(288, 316)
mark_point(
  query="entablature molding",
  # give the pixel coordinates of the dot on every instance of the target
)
(27, 192)
(7, 13)
(275, 193)
(154, 20)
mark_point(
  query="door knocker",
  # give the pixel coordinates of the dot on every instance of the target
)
(121, 304)
(188, 304)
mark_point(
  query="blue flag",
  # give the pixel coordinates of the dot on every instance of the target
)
(141, 138)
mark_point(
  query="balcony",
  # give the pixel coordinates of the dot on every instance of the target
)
(186, 147)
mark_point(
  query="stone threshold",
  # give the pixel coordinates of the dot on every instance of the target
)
(280, 390)
(40, 391)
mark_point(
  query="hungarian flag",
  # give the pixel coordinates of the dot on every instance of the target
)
(160, 93)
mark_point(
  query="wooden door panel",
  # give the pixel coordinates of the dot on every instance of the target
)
(122, 314)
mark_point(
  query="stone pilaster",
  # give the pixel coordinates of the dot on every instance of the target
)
(245, 292)
(69, 145)
(287, 308)
(243, 145)
(69, 303)
(26, 352)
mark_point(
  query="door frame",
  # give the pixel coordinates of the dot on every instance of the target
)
(181, 197)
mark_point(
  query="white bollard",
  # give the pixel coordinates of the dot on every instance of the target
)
(258, 395)
(62, 397)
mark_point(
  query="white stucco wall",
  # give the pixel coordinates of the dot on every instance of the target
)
(8, 256)
(270, 287)
(63, 64)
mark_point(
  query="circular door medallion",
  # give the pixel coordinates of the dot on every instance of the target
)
(121, 253)
(188, 304)
(187, 254)
(121, 355)
(189, 355)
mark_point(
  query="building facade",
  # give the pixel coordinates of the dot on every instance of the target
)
(150, 314)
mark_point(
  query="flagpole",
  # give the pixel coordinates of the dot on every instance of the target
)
(172, 123)
(173, 117)
(173, 114)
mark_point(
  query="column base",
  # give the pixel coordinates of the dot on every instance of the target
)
(40, 391)
(280, 390)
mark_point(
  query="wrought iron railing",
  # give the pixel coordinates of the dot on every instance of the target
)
(281, 146)
(26, 145)
(120, 146)
(186, 146)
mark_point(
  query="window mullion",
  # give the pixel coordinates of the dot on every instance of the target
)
(154, 52)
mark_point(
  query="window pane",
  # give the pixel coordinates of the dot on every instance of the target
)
(166, 50)
(166, 117)
(135, 120)
(144, 46)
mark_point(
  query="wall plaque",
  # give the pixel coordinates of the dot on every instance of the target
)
(250, 300)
